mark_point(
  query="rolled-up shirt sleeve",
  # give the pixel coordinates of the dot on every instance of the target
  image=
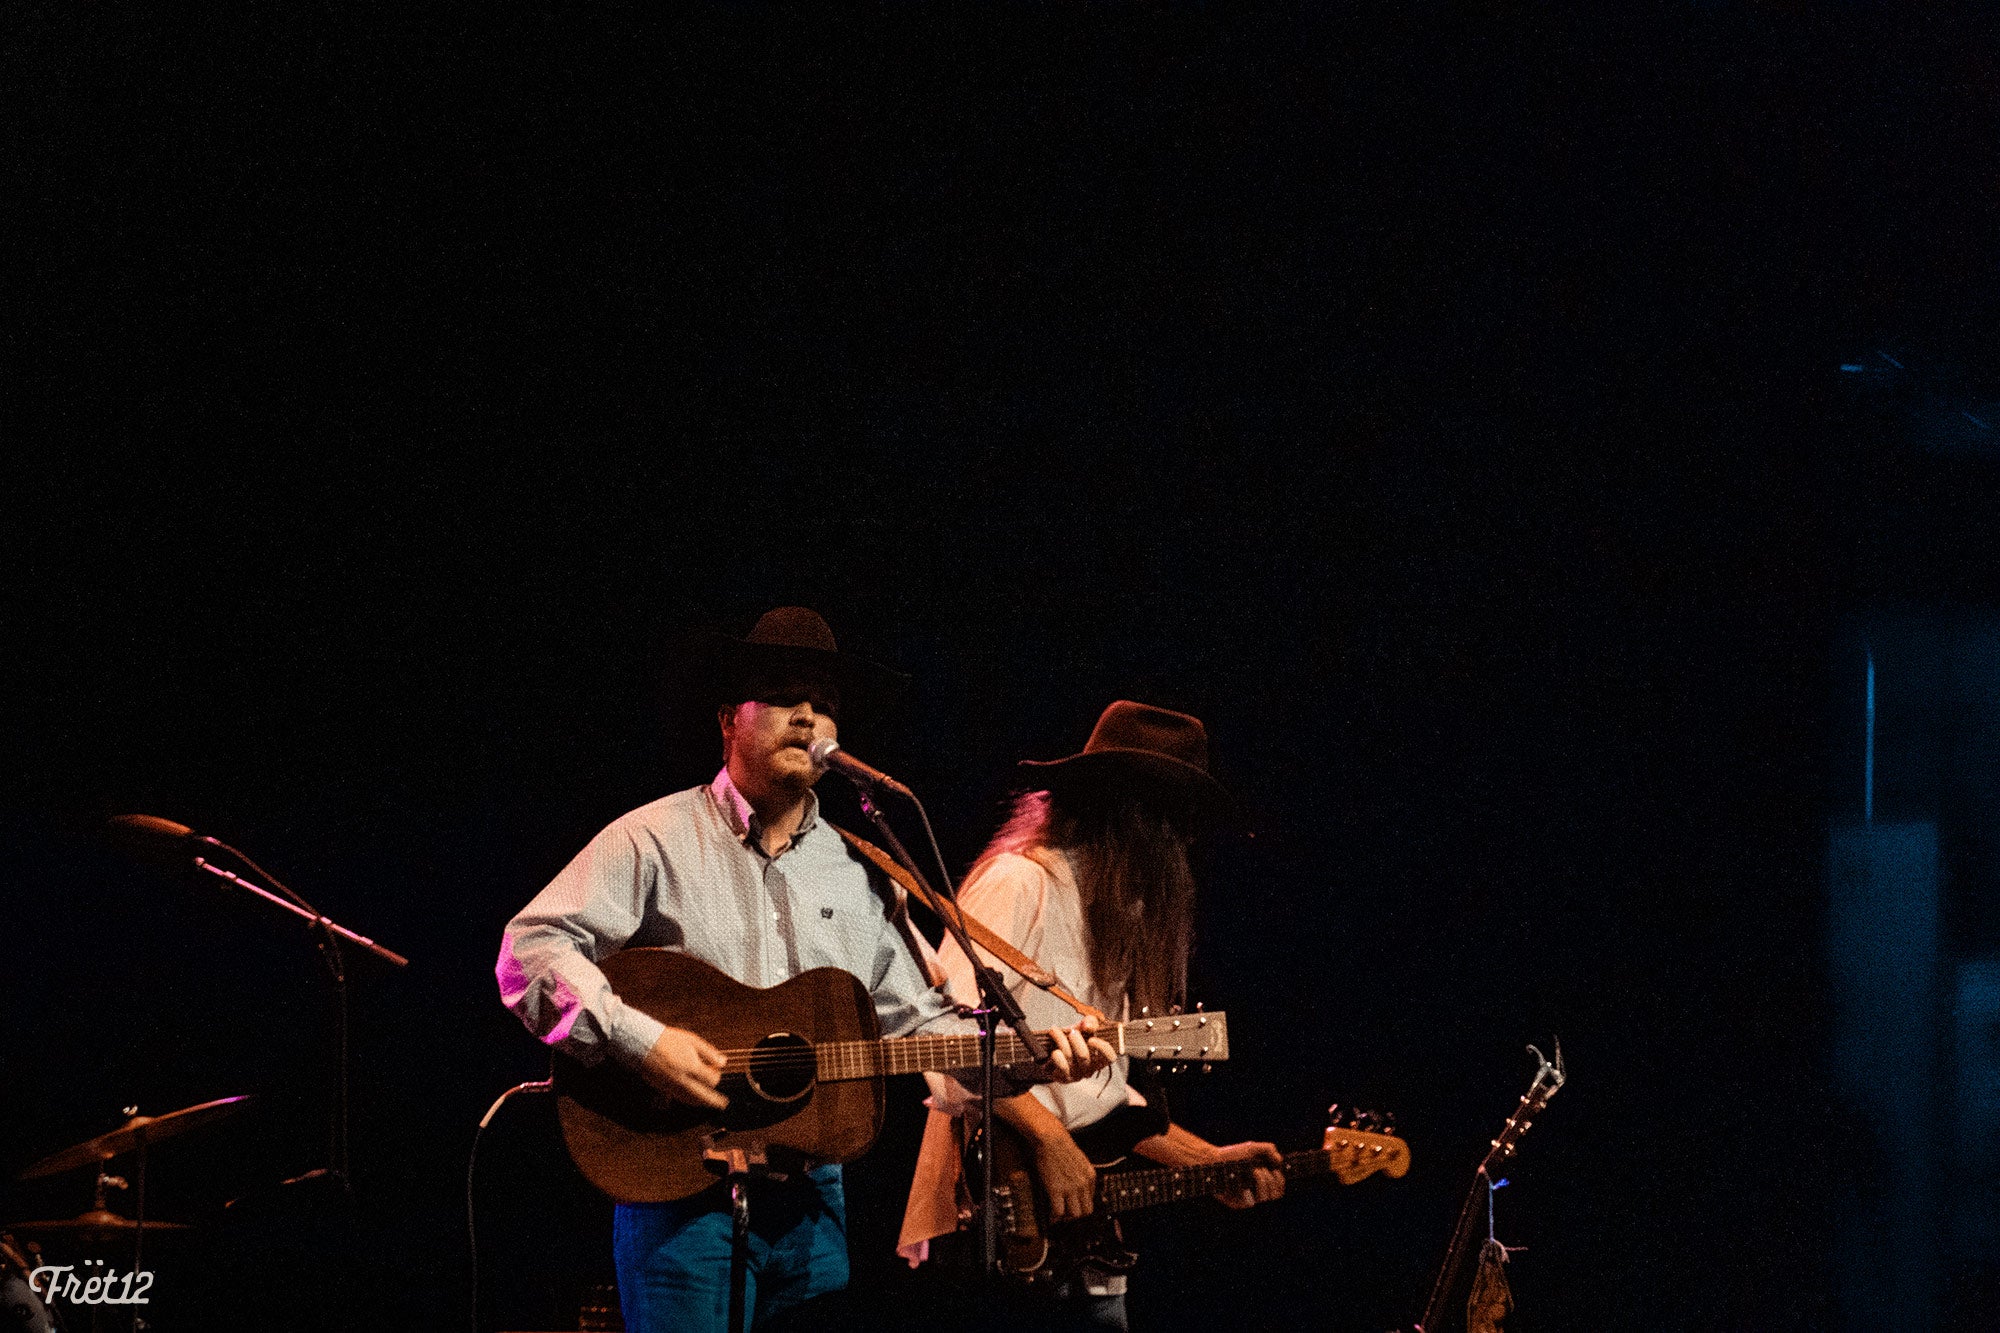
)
(548, 969)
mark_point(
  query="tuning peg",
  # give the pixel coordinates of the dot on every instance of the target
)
(1144, 1010)
(1388, 1122)
(1180, 1066)
(1207, 1068)
(1175, 1009)
(1333, 1115)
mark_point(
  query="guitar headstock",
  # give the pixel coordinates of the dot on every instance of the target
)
(1358, 1144)
(1176, 1038)
(1547, 1082)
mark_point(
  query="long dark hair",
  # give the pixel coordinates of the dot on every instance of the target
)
(1130, 852)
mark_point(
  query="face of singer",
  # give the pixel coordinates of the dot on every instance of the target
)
(765, 738)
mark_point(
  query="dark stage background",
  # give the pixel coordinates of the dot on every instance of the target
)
(1445, 406)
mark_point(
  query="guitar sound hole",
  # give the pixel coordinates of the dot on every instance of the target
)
(782, 1068)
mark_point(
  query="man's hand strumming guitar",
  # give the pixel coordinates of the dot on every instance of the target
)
(686, 1068)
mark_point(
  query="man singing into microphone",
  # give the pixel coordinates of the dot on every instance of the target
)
(743, 874)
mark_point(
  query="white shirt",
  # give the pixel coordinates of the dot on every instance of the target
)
(689, 872)
(1033, 903)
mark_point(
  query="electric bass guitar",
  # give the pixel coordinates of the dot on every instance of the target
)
(1037, 1251)
(803, 1077)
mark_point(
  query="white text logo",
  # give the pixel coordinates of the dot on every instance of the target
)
(65, 1283)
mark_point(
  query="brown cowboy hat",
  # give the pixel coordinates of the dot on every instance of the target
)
(1156, 744)
(794, 640)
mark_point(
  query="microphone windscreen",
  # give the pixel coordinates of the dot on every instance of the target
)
(147, 831)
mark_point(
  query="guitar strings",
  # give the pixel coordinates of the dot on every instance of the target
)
(873, 1056)
(830, 1048)
(808, 1061)
(1007, 1042)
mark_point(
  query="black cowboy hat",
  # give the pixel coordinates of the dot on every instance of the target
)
(1154, 744)
(794, 641)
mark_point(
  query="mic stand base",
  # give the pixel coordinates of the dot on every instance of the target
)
(739, 1168)
(989, 1229)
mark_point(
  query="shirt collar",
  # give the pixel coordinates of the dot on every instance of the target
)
(742, 818)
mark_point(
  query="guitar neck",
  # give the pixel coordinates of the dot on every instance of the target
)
(1123, 1191)
(1180, 1037)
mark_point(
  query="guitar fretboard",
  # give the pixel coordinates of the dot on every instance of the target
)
(1122, 1191)
(1185, 1037)
(913, 1055)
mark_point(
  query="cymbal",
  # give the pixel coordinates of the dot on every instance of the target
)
(139, 1130)
(97, 1224)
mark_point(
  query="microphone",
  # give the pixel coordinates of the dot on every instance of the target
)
(827, 754)
(150, 833)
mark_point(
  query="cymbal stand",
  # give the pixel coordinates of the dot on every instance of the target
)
(139, 1218)
(138, 1187)
(107, 1181)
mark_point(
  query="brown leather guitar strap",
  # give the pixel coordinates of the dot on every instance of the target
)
(1031, 971)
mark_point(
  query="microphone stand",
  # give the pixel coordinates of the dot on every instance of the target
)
(329, 935)
(997, 1003)
(300, 908)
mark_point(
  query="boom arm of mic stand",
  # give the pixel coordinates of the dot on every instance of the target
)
(387, 955)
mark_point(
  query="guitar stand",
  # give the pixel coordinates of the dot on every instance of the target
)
(739, 1167)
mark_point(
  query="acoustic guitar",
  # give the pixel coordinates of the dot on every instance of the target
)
(804, 1071)
(1036, 1251)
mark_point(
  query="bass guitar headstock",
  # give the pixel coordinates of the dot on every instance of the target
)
(1359, 1144)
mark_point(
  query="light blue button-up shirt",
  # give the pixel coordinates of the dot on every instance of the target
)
(689, 872)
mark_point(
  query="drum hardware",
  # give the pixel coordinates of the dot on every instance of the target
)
(100, 1225)
(21, 1306)
(135, 1134)
(599, 1309)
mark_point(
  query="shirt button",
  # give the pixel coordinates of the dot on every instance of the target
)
(774, 914)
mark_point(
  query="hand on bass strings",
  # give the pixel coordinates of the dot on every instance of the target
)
(1067, 1177)
(686, 1068)
(1266, 1184)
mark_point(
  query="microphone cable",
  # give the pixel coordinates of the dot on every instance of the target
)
(471, 1164)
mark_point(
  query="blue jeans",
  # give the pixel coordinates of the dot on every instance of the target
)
(673, 1258)
(1082, 1310)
